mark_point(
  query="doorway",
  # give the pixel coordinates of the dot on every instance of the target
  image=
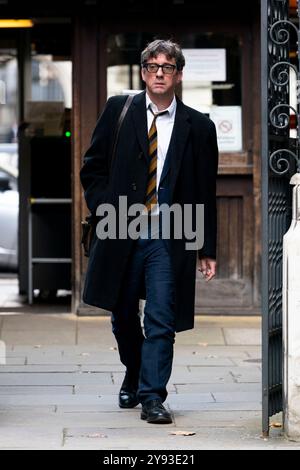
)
(36, 103)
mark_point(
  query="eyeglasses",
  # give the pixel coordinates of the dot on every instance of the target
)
(168, 69)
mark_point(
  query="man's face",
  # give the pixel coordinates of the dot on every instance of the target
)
(160, 83)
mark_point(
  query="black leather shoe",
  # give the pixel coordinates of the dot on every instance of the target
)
(153, 411)
(128, 395)
(128, 399)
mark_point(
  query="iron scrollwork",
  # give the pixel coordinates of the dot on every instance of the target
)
(279, 80)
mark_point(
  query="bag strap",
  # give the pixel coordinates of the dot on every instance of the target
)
(117, 130)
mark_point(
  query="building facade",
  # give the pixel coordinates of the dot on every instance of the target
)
(222, 47)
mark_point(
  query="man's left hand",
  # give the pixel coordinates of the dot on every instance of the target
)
(208, 267)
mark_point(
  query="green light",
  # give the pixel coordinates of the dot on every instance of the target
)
(68, 134)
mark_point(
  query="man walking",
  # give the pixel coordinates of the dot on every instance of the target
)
(166, 154)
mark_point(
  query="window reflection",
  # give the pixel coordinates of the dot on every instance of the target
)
(121, 78)
(214, 92)
(51, 79)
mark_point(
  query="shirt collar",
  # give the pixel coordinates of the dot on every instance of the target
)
(171, 109)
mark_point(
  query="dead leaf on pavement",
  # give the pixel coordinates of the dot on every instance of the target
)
(182, 433)
(275, 425)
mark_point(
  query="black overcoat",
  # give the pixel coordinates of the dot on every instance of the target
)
(193, 161)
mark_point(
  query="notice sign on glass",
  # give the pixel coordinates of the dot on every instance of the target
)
(205, 65)
(228, 121)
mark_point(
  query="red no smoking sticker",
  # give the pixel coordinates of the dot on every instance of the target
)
(225, 126)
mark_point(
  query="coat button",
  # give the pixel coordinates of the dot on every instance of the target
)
(133, 186)
(140, 156)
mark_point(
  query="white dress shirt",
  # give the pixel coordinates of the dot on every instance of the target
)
(164, 126)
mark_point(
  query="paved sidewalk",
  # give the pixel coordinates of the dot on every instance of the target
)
(58, 389)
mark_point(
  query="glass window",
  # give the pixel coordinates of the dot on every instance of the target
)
(202, 94)
(123, 61)
(51, 79)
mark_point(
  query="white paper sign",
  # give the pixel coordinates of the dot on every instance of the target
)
(228, 121)
(205, 65)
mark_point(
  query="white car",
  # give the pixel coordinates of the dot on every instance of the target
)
(9, 213)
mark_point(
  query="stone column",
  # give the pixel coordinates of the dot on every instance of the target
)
(291, 319)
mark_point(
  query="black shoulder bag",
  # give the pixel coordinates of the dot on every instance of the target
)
(89, 224)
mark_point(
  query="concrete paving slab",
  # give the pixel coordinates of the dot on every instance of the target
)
(31, 369)
(38, 337)
(30, 390)
(239, 374)
(128, 438)
(242, 336)
(16, 416)
(218, 419)
(250, 362)
(202, 375)
(112, 389)
(40, 350)
(211, 336)
(254, 352)
(34, 437)
(109, 419)
(88, 348)
(59, 400)
(247, 374)
(222, 321)
(40, 322)
(90, 321)
(223, 397)
(111, 407)
(61, 361)
(232, 351)
(107, 357)
(113, 368)
(56, 379)
(95, 338)
(199, 360)
(16, 361)
(195, 402)
(218, 388)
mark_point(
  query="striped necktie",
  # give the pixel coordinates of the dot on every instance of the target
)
(151, 194)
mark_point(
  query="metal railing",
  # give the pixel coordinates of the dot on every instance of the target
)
(280, 159)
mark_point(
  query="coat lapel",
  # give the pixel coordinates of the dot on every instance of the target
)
(178, 142)
(139, 116)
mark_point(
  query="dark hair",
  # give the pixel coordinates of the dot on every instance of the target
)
(167, 47)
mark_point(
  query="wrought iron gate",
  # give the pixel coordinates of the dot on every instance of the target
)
(279, 161)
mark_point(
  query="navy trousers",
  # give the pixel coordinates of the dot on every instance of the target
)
(147, 357)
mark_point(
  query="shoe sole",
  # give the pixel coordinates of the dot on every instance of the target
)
(128, 407)
(159, 420)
